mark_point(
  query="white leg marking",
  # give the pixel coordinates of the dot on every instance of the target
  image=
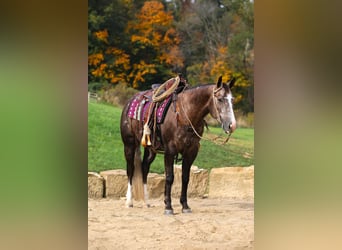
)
(129, 202)
(146, 196)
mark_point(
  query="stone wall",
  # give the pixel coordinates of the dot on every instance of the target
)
(95, 185)
(234, 182)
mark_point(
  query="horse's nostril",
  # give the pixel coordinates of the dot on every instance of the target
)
(232, 127)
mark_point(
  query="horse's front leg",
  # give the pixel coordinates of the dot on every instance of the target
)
(188, 159)
(169, 176)
(185, 182)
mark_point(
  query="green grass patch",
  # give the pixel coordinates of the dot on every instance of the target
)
(105, 148)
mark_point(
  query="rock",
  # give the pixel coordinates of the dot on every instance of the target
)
(237, 182)
(95, 185)
(115, 183)
(232, 182)
(198, 183)
(156, 185)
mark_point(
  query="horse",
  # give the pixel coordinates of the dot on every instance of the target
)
(180, 133)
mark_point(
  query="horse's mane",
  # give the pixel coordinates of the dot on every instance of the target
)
(200, 85)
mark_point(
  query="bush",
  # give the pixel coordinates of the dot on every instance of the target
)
(244, 121)
(96, 86)
(118, 95)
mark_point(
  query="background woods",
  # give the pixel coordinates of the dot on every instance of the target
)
(134, 44)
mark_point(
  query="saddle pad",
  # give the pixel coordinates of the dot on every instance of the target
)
(162, 109)
(138, 108)
(140, 105)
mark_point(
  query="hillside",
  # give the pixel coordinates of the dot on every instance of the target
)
(105, 148)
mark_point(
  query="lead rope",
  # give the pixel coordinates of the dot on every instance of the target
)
(192, 126)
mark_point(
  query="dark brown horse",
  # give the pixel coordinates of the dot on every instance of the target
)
(180, 134)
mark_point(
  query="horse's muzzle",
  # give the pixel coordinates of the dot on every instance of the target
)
(231, 128)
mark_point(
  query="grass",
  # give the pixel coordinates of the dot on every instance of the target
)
(105, 148)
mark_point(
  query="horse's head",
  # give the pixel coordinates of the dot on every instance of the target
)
(222, 108)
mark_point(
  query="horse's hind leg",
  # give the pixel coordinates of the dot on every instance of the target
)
(149, 156)
(129, 155)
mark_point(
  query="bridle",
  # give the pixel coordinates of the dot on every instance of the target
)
(215, 106)
(218, 114)
(218, 117)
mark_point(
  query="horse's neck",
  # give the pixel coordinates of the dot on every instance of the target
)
(196, 103)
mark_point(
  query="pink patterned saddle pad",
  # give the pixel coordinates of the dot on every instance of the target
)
(140, 104)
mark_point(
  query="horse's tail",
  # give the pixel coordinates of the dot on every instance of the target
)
(138, 186)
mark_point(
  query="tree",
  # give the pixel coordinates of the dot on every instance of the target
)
(217, 39)
(144, 42)
(107, 57)
(137, 49)
(155, 52)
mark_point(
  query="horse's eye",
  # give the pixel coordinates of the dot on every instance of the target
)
(220, 99)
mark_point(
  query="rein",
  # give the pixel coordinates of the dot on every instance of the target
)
(192, 126)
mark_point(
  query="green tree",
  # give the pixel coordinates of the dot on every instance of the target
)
(218, 39)
(107, 40)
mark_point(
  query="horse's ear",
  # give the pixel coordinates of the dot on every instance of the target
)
(232, 82)
(219, 82)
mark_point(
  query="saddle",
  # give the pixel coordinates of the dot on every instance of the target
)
(151, 107)
(141, 106)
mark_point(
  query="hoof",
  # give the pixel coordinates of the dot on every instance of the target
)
(187, 211)
(129, 205)
(168, 212)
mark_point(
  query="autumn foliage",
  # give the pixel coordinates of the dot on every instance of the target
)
(153, 48)
(138, 43)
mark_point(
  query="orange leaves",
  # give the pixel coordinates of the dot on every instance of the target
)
(139, 71)
(145, 45)
(142, 39)
(219, 63)
(121, 59)
(95, 59)
(220, 67)
(113, 72)
(154, 27)
(151, 24)
(222, 50)
(153, 37)
(102, 35)
(99, 71)
(171, 37)
(173, 57)
(153, 13)
(148, 20)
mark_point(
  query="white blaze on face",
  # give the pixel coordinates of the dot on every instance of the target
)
(231, 115)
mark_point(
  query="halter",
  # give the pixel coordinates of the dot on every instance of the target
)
(214, 101)
(192, 126)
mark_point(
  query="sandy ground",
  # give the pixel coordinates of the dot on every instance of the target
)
(213, 224)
